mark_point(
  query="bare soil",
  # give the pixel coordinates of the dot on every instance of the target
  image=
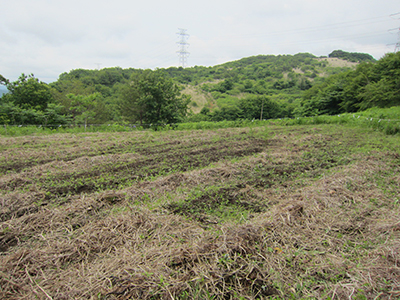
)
(337, 62)
(199, 97)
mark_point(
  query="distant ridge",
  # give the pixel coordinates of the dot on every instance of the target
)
(352, 56)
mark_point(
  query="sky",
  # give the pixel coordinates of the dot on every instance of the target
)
(50, 37)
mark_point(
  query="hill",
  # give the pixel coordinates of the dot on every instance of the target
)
(257, 87)
(282, 77)
(218, 88)
(353, 57)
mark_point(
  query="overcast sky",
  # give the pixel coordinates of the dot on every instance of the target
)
(49, 37)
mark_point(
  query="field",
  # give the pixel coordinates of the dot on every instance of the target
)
(268, 212)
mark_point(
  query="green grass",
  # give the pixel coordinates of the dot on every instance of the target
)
(386, 120)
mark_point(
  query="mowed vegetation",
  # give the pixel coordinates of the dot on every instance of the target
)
(258, 212)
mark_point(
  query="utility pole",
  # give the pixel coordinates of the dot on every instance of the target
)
(262, 109)
(183, 53)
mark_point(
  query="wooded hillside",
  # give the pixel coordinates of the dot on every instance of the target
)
(263, 86)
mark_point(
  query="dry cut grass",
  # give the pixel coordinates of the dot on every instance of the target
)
(309, 213)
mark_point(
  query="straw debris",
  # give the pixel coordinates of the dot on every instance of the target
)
(224, 214)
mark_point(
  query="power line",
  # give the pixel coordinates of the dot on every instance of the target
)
(397, 45)
(183, 53)
(397, 48)
(340, 25)
(160, 51)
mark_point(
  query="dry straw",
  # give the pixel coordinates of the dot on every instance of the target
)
(326, 229)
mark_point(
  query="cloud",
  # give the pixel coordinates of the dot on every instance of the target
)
(48, 37)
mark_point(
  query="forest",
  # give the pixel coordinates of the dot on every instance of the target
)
(257, 87)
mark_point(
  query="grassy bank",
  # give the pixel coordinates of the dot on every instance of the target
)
(386, 120)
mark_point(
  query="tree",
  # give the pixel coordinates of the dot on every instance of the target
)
(3, 80)
(383, 90)
(354, 57)
(259, 107)
(226, 113)
(14, 115)
(29, 102)
(151, 97)
(304, 84)
(29, 93)
(83, 107)
(53, 115)
(354, 83)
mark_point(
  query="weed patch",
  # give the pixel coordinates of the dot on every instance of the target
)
(208, 206)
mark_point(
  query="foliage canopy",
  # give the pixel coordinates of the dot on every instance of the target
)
(354, 57)
(262, 86)
(369, 85)
(151, 98)
(28, 92)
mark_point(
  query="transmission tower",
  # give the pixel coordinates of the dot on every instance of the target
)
(397, 45)
(183, 53)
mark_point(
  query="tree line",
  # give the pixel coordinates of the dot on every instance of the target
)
(145, 97)
(371, 84)
(353, 57)
(258, 87)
